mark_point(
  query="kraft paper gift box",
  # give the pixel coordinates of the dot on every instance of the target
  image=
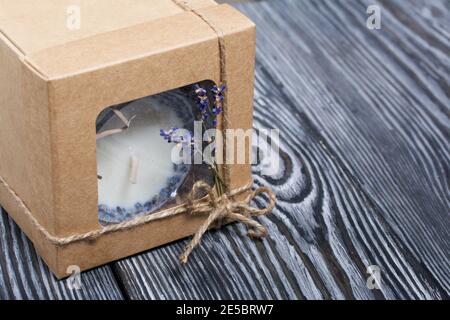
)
(54, 82)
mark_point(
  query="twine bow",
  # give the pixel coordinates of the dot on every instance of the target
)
(222, 209)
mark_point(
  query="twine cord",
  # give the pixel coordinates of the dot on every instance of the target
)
(219, 210)
(184, 4)
(223, 209)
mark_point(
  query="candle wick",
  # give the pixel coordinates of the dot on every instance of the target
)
(134, 163)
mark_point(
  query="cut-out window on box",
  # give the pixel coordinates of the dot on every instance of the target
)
(135, 169)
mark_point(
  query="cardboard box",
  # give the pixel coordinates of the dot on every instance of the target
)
(55, 80)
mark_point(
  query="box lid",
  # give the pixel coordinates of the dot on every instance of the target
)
(33, 26)
(111, 32)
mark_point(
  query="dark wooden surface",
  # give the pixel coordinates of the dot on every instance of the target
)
(364, 175)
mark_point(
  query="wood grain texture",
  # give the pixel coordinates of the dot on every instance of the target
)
(23, 275)
(364, 175)
(381, 101)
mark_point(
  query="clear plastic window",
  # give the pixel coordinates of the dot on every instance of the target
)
(135, 171)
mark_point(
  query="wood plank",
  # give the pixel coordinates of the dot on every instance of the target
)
(380, 100)
(23, 275)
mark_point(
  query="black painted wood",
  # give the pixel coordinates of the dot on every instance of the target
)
(363, 177)
(381, 101)
(23, 275)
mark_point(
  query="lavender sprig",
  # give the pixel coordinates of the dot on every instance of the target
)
(202, 99)
(173, 136)
(218, 93)
(204, 105)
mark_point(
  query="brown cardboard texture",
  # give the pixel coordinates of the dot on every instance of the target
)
(55, 81)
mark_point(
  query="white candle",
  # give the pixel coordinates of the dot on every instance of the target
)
(137, 174)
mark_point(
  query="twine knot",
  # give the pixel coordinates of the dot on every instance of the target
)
(224, 208)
